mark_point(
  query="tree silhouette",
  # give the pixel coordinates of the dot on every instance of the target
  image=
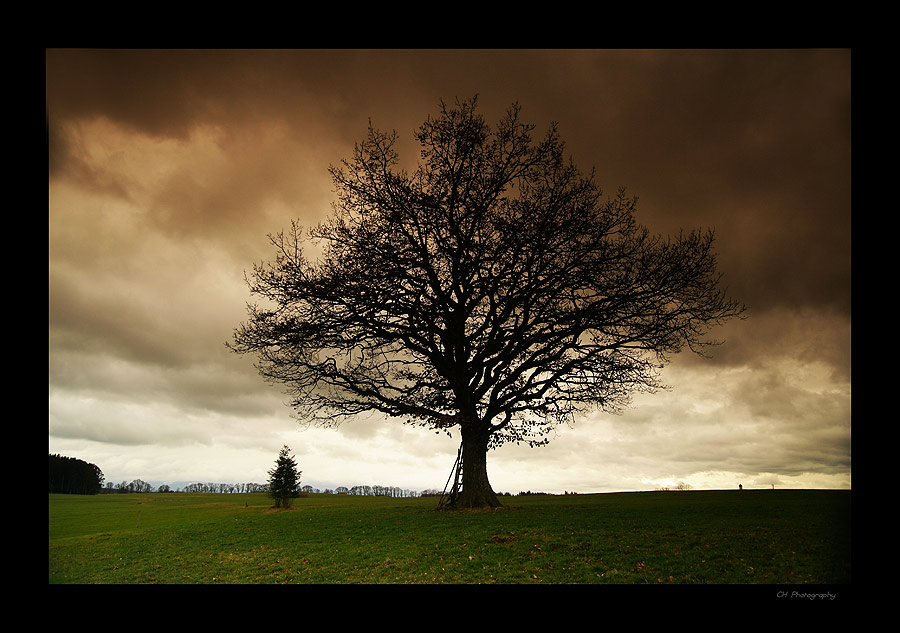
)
(70, 475)
(284, 479)
(495, 289)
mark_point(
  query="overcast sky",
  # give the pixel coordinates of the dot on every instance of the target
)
(167, 169)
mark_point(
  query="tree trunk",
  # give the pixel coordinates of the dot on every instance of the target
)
(476, 489)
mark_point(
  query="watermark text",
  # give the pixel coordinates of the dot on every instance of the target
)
(806, 595)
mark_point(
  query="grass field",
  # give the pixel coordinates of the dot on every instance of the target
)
(721, 537)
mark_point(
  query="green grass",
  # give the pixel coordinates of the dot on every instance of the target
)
(652, 537)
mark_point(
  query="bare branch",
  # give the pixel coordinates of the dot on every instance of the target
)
(495, 287)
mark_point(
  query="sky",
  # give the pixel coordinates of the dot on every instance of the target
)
(169, 168)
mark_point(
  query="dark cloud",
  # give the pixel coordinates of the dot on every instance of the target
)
(753, 143)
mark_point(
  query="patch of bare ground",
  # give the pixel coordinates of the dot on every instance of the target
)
(274, 509)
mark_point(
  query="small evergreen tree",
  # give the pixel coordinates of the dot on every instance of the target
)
(284, 479)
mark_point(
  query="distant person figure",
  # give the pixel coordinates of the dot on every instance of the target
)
(740, 487)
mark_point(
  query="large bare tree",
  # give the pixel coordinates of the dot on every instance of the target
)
(495, 289)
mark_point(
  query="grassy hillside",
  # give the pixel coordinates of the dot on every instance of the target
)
(764, 536)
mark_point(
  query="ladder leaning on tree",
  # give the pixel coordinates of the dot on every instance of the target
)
(449, 499)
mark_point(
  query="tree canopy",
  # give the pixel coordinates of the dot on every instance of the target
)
(70, 475)
(495, 289)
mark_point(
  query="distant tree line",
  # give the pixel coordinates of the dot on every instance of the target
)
(377, 491)
(679, 486)
(69, 475)
(74, 476)
(124, 487)
(226, 488)
(142, 486)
